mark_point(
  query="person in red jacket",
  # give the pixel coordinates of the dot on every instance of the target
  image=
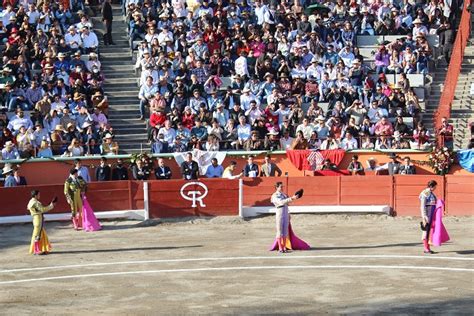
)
(157, 120)
(188, 118)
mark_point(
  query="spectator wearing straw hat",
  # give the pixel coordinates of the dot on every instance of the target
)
(9, 151)
(109, 147)
(8, 174)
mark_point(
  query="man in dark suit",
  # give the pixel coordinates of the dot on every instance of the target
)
(407, 167)
(162, 172)
(190, 168)
(107, 17)
(269, 168)
(140, 171)
(103, 171)
(120, 172)
(251, 169)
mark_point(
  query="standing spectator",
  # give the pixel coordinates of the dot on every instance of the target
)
(120, 172)
(82, 171)
(229, 171)
(18, 178)
(392, 166)
(162, 172)
(140, 171)
(214, 170)
(103, 171)
(189, 168)
(9, 179)
(269, 168)
(407, 167)
(251, 169)
(107, 17)
(446, 132)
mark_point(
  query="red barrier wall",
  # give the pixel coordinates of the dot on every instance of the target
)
(366, 190)
(459, 195)
(407, 190)
(166, 200)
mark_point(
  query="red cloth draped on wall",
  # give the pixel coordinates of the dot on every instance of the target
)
(299, 158)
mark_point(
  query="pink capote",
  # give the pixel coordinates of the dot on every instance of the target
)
(439, 234)
(89, 221)
(296, 243)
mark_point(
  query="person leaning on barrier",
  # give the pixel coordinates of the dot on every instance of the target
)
(229, 172)
(355, 167)
(140, 171)
(103, 171)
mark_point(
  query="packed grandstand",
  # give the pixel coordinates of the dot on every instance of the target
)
(226, 75)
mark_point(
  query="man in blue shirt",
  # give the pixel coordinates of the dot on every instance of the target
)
(214, 170)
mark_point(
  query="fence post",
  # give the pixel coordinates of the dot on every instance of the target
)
(145, 200)
(241, 198)
(339, 190)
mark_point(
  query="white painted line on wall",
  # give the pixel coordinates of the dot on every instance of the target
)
(288, 257)
(367, 267)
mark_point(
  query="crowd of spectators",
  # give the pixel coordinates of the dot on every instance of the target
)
(51, 96)
(285, 63)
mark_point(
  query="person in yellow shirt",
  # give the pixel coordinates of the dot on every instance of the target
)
(39, 240)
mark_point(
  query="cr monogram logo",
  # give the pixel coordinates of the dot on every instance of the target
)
(195, 196)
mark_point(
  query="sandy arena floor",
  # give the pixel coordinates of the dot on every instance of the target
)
(359, 264)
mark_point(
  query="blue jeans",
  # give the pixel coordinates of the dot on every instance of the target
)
(143, 104)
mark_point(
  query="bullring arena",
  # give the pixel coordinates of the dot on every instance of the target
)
(358, 264)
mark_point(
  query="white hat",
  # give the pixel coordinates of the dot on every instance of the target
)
(320, 118)
(417, 21)
(86, 124)
(353, 11)
(272, 132)
(364, 10)
(7, 169)
(108, 136)
(8, 144)
(61, 54)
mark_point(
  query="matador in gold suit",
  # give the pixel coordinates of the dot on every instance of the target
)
(39, 240)
(73, 188)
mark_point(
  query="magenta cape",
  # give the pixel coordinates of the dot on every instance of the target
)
(89, 221)
(296, 243)
(439, 234)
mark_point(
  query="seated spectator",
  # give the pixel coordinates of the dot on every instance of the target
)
(75, 149)
(349, 142)
(330, 143)
(44, 150)
(9, 151)
(355, 167)
(383, 142)
(254, 143)
(109, 147)
(299, 142)
(286, 141)
(328, 165)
